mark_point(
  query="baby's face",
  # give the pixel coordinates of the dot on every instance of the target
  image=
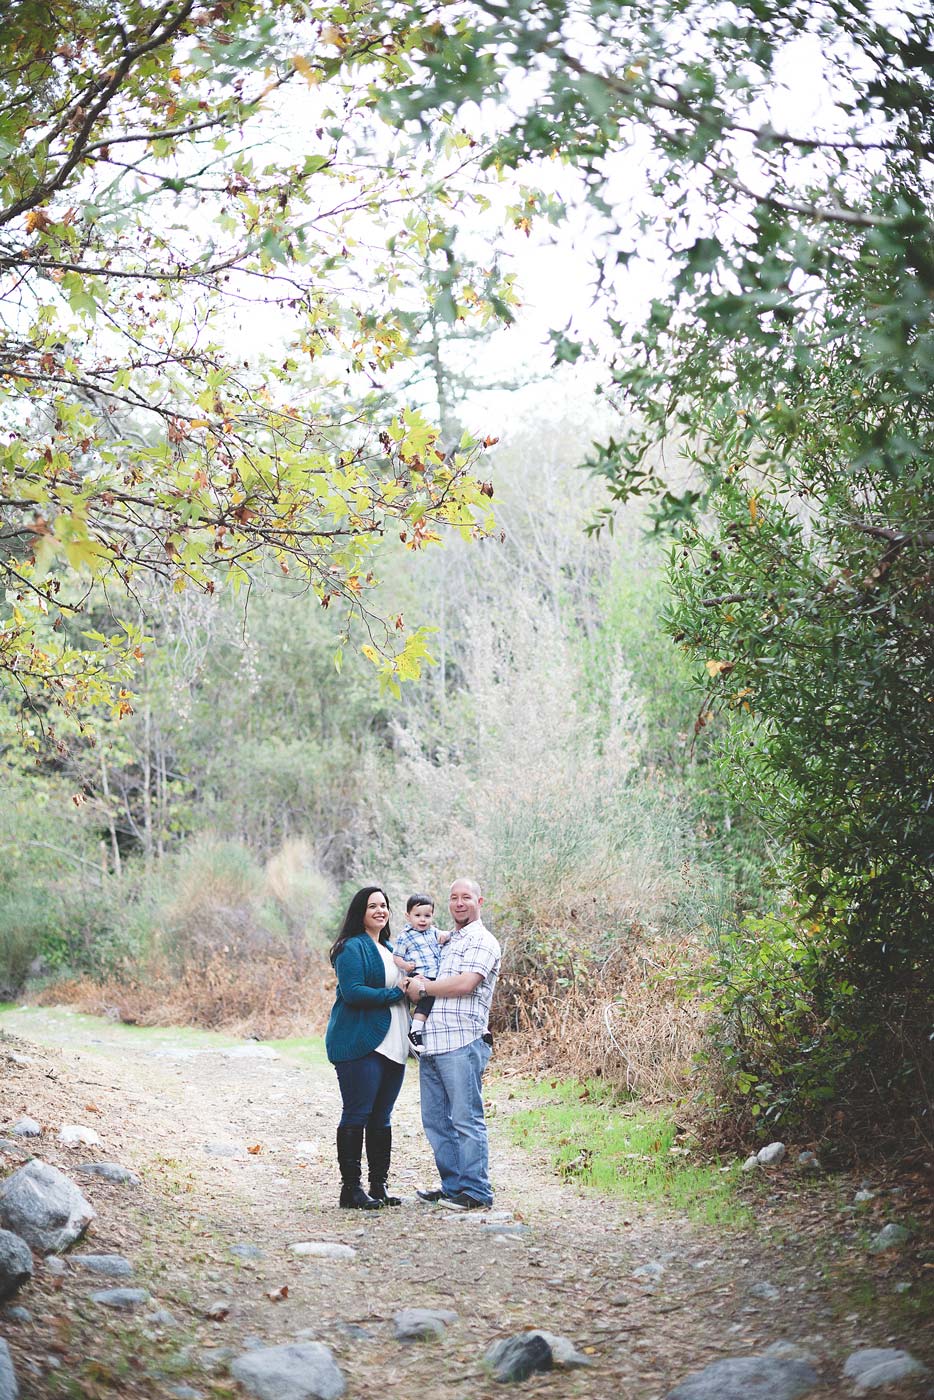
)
(421, 916)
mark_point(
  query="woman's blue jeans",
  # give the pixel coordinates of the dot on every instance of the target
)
(452, 1116)
(369, 1089)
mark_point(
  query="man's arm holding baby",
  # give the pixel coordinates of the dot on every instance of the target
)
(459, 984)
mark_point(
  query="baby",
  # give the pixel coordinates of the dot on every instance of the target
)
(418, 949)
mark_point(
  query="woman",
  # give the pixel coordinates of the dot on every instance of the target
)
(367, 1044)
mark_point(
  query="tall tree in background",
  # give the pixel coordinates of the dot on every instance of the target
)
(789, 357)
(181, 185)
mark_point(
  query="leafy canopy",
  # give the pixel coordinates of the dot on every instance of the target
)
(185, 189)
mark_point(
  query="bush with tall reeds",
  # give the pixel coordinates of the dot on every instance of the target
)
(223, 940)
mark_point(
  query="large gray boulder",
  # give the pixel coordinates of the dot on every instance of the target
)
(44, 1207)
(8, 1387)
(15, 1264)
(299, 1371)
(748, 1378)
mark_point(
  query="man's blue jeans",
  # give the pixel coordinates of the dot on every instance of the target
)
(452, 1116)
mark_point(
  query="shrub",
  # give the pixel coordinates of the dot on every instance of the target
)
(26, 923)
(214, 906)
(798, 1042)
(301, 892)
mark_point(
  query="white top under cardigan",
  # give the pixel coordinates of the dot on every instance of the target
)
(395, 1043)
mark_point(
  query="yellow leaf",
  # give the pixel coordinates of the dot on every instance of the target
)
(310, 74)
(85, 553)
(37, 220)
(753, 510)
(371, 654)
(714, 668)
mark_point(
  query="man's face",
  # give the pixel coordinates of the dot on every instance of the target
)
(464, 903)
(421, 915)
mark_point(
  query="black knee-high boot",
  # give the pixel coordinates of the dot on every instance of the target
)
(378, 1156)
(349, 1152)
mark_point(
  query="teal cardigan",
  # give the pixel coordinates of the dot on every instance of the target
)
(360, 1015)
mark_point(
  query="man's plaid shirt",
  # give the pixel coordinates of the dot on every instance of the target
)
(421, 947)
(458, 1021)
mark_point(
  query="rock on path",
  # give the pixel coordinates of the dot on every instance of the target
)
(422, 1324)
(8, 1387)
(300, 1371)
(871, 1367)
(123, 1299)
(110, 1265)
(44, 1207)
(15, 1264)
(109, 1171)
(748, 1378)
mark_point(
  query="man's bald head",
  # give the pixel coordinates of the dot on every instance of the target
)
(464, 901)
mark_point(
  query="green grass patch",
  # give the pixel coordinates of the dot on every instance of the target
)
(305, 1050)
(598, 1140)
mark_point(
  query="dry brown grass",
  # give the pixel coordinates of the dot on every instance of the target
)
(269, 997)
(622, 1020)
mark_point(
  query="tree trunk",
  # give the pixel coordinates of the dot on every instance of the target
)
(105, 789)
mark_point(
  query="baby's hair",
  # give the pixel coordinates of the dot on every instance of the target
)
(414, 900)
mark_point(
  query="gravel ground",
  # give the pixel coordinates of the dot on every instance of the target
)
(157, 1103)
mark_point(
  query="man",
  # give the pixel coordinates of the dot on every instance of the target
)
(456, 1051)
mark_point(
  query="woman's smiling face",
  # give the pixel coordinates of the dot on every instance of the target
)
(377, 914)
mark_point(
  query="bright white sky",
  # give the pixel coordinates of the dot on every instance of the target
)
(555, 265)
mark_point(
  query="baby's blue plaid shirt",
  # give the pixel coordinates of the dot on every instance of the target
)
(420, 947)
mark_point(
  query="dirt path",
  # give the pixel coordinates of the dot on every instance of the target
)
(158, 1100)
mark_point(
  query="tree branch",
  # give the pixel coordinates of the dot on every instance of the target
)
(42, 191)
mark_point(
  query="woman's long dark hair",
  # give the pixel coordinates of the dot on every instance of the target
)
(352, 926)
